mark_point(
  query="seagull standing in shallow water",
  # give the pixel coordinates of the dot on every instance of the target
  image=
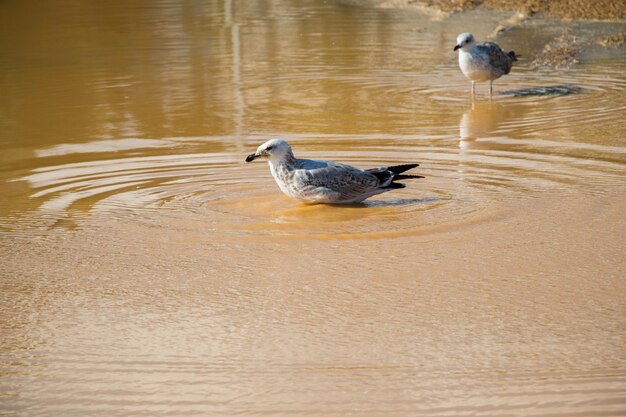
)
(482, 62)
(327, 182)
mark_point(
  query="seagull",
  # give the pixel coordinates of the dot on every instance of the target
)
(327, 182)
(482, 62)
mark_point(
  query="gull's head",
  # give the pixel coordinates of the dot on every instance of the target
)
(464, 41)
(274, 150)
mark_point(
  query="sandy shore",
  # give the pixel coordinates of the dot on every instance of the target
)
(562, 9)
(564, 50)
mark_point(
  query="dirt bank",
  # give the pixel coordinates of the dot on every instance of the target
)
(562, 9)
(564, 50)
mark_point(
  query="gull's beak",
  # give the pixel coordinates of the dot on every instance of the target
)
(251, 157)
(456, 47)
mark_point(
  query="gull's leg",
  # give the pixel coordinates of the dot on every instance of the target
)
(473, 89)
(490, 89)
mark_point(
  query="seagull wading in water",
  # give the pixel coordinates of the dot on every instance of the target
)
(482, 62)
(327, 182)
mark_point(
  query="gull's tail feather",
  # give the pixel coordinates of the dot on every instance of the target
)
(406, 177)
(398, 175)
(388, 175)
(394, 185)
(398, 169)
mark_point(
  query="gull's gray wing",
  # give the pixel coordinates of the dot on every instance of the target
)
(498, 59)
(347, 181)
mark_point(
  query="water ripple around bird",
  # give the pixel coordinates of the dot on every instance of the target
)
(218, 191)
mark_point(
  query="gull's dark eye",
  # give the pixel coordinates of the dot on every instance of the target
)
(269, 148)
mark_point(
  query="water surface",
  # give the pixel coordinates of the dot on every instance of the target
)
(146, 269)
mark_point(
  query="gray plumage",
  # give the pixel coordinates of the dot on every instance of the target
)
(498, 62)
(482, 62)
(329, 182)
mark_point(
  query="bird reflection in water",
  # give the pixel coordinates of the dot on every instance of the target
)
(483, 120)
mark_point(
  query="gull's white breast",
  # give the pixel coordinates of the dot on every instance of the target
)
(475, 65)
(280, 173)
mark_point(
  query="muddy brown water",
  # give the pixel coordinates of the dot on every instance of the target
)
(147, 270)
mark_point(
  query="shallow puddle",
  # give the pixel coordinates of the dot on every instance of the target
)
(147, 269)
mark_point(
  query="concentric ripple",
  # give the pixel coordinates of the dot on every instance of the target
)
(465, 184)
